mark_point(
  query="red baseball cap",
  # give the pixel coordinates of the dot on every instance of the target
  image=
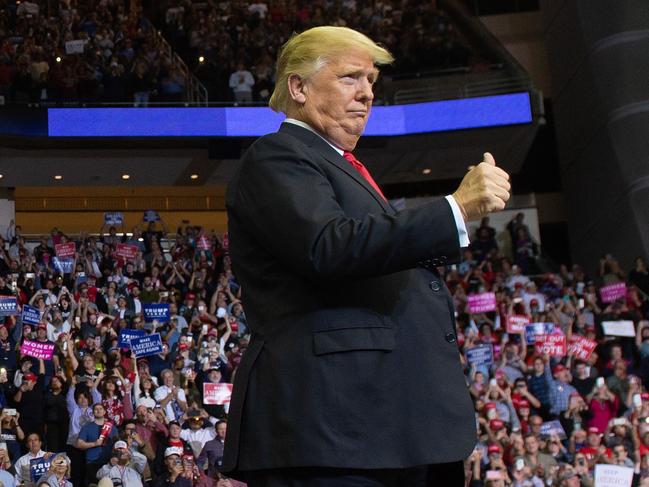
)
(183, 346)
(30, 376)
(645, 396)
(593, 430)
(490, 405)
(42, 325)
(496, 424)
(493, 449)
(190, 296)
(558, 368)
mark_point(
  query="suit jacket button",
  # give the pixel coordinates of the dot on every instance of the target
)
(450, 337)
(435, 285)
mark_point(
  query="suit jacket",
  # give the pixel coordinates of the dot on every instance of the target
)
(353, 361)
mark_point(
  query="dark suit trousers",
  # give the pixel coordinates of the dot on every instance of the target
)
(438, 475)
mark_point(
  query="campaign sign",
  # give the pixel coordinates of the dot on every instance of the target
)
(581, 347)
(126, 251)
(37, 349)
(38, 467)
(8, 306)
(613, 292)
(613, 475)
(517, 323)
(622, 328)
(480, 355)
(156, 311)
(552, 344)
(63, 265)
(534, 329)
(226, 241)
(204, 243)
(65, 250)
(75, 46)
(482, 303)
(553, 427)
(146, 345)
(127, 334)
(30, 315)
(151, 216)
(113, 218)
(216, 393)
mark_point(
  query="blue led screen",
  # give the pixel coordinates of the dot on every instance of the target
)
(438, 116)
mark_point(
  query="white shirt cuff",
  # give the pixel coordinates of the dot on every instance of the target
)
(462, 232)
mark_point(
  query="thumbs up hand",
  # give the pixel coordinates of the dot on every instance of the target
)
(484, 189)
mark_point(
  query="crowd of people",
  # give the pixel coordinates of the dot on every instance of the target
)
(232, 37)
(74, 50)
(95, 411)
(108, 50)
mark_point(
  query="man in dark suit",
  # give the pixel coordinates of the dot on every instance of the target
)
(352, 376)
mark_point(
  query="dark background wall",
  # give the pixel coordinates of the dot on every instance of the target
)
(599, 59)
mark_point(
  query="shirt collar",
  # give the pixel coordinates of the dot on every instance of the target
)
(305, 125)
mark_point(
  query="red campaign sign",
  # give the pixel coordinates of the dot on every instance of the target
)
(204, 243)
(126, 251)
(581, 347)
(517, 323)
(216, 393)
(553, 344)
(65, 250)
(226, 241)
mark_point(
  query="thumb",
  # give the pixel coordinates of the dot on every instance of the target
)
(488, 158)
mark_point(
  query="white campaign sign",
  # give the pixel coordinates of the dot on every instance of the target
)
(613, 476)
(619, 328)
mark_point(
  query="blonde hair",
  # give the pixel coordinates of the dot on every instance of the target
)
(304, 54)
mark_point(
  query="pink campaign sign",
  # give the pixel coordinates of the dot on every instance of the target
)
(613, 292)
(517, 323)
(482, 303)
(37, 349)
(553, 344)
(216, 393)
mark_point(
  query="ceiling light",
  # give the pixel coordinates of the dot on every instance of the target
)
(201, 59)
(428, 170)
(58, 177)
(126, 176)
(194, 176)
(2, 176)
(58, 59)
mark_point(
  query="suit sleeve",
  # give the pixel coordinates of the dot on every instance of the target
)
(287, 202)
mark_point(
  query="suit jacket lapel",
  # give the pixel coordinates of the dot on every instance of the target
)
(329, 153)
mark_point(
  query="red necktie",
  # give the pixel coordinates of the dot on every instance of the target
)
(362, 170)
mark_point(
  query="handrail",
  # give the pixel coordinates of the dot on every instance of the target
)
(195, 91)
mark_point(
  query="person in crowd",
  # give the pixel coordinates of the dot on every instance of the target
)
(123, 467)
(22, 465)
(96, 439)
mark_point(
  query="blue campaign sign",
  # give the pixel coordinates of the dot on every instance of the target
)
(8, 306)
(480, 355)
(63, 265)
(127, 334)
(151, 216)
(113, 218)
(31, 315)
(156, 311)
(38, 467)
(534, 329)
(146, 345)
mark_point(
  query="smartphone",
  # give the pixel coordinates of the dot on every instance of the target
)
(10, 411)
(619, 422)
(520, 464)
(204, 330)
(3, 374)
(518, 300)
(30, 275)
(493, 382)
(600, 382)
(581, 303)
(3, 446)
(637, 400)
